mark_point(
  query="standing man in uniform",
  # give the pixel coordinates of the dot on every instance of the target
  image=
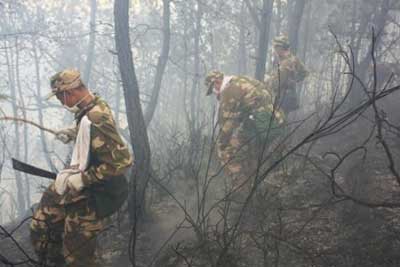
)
(288, 71)
(92, 187)
(247, 120)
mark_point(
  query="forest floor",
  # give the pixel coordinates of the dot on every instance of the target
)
(113, 243)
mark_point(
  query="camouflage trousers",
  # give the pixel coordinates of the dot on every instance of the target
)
(65, 234)
(240, 160)
(245, 159)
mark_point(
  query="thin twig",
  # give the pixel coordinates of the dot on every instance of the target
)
(7, 118)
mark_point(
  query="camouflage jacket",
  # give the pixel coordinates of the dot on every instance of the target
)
(110, 158)
(286, 75)
(109, 154)
(242, 98)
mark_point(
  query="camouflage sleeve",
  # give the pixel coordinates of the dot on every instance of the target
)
(301, 71)
(109, 154)
(281, 78)
(229, 114)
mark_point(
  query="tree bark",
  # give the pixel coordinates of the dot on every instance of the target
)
(263, 39)
(185, 67)
(295, 18)
(26, 148)
(137, 127)
(161, 64)
(18, 178)
(253, 13)
(361, 69)
(195, 86)
(40, 107)
(307, 31)
(278, 20)
(117, 102)
(242, 58)
(92, 42)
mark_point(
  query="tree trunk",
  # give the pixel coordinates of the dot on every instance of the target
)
(263, 39)
(18, 178)
(40, 106)
(242, 58)
(195, 85)
(26, 149)
(161, 64)
(185, 68)
(253, 13)
(137, 127)
(279, 17)
(307, 31)
(295, 18)
(353, 21)
(92, 42)
(361, 69)
(117, 101)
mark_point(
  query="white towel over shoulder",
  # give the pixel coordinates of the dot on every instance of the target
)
(81, 152)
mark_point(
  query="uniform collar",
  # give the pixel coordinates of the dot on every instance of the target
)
(82, 112)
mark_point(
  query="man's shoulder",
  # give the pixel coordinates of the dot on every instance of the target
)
(100, 112)
(245, 82)
(239, 86)
(288, 59)
(235, 85)
(293, 59)
(290, 63)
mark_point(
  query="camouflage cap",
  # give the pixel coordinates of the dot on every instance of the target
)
(281, 41)
(64, 80)
(211, 78)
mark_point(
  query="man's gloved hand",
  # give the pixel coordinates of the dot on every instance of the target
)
(66, 135)
(61, 182)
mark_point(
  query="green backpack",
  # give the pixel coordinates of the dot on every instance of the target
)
(262, 126)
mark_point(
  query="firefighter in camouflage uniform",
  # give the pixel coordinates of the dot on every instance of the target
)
(71, 211)
(288, 71)
(247, 120)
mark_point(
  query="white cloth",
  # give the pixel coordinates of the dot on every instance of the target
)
(225, 82)
(72, 176)
(75, 182)
(81, 152)
(61, 182)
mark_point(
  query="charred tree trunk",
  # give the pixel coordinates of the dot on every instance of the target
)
(263, 41)
(161, 64)
(137, 127)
